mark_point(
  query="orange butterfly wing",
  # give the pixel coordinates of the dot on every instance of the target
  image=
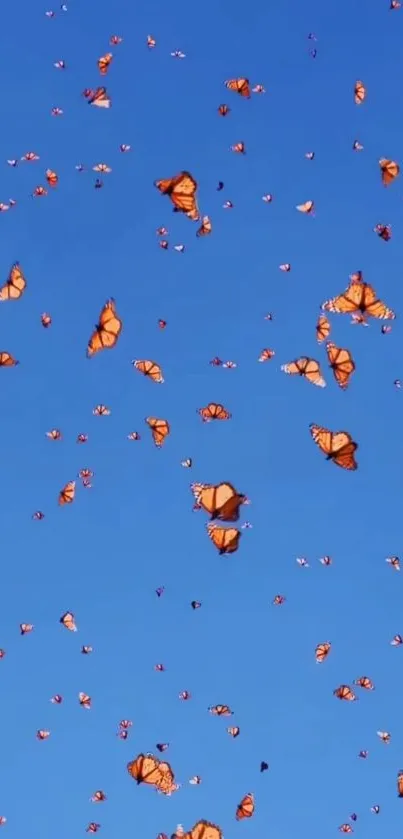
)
(15, 285)
(107, 330)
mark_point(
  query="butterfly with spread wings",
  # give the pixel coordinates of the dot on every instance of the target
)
(338, 446)
(181, 189)
(107, 330)
(359, 297)
(342, 364)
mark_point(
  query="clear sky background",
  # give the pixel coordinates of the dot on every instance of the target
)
(134, 530)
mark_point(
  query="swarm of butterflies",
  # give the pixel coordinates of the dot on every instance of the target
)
(223, 502)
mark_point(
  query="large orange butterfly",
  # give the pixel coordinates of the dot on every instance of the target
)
(107, 330)
(359, 297)
(160, 430)
(240, 86)
(182, 192)
(7, 360)
(342, 364)
(15, 284)
(322, 651)
(345, 692)
(221, 501)
(98, 97)
(147, 769)
(201, 830)
(306, 367)
(389, 170)
(226, 540)
(214, 411)
(246, 807)
(338, 446)
(150, 369)
(104, 63)
(66, 495)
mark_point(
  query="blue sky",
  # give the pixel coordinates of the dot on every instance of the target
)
(134, 530)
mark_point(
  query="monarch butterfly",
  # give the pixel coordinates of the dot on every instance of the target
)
(264, 766)
(357, 146)
(342, 364)
(346, 828)
(25, 628)
(145, 769)
(322, 651)
(39, 192)
(7, 360)
(98, 796)
(338, 446)
(201, 830)
(394, 562)
(384, 231)
(93, 827)
(51, 177)
(107, 330)
(46, 320)
(220, 711)
(151, 42)
(42, 734)
(239, 148)
(205, 227)
(195, 604)
(240, 86)
(234, 731)
(214, 411)
(226, 540)
(359, 297)
(221, 501)
(160, 429)
(394, 4)
(150, 369)
(306, 367)
(396, 641)
(400, 784)
(360, 92)
(182, 191)
(384, 736)
(102, 167)
(266, 355)
(345, 692)
(15, 284)
(246, 807)
(389, 170)
(322, 329)
(66, 495)
(223, 110)
(104, 63)
(307, 208)
(364, 682)
(68, 621)
(98, 97)
(84, 700)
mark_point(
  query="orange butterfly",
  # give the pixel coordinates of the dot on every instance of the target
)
(104, 63)
(7, 360)
(226, 540)
(322, 651)
(99, 411)
(345, 692)
(338, 446)
(98, 97)
(223, 110)
(400, 784)
(52, 177)
(214, 411)
(306, 367)
(160, 430)
(220, 711)
(322, 329)
(307, 208)
(221, 501)
(360, 92)
(66, 495)
(240, 86)
(234, 731)
(107, 330)
(150, 369)
(359, 297)
(84, 700)
(389, 170)
(15, 285)
(201, 830)
(182, 191)
(364, 682)
(205, 227)
(46, 320)
(246, 807)
(342, 364)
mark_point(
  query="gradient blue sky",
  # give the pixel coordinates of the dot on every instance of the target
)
(104, 556)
